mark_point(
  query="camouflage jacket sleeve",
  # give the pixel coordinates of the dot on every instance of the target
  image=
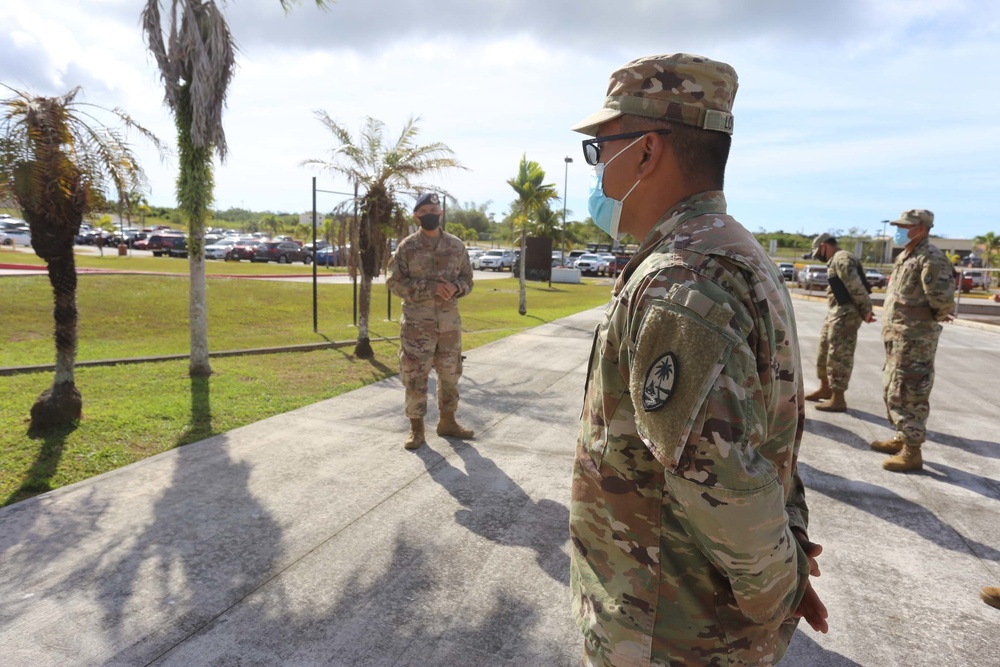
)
(846, 267)
(938, 280)
(702, 410)
(464, 281)
(795, 505)
(401, 283)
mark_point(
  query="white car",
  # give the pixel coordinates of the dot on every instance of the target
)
(219, 249)
(498, 260)
(15, 236)
(473, 256)
(588, 263)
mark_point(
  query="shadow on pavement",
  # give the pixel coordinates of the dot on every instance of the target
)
(893, 508)
(980, 447)
(496, 508)
(207, 556)
(805, 651)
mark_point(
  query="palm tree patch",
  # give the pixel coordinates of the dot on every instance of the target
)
(659, 384)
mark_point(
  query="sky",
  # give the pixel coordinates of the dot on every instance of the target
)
(847, 113)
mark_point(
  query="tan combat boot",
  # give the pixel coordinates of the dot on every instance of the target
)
(991, 596)
(835, 403)
(906, 461)
(824, 392)
(893, 445)
(448, 427)
(415, 438)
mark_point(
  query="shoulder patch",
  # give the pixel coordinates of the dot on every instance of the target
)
(928, 278)
(658, 386)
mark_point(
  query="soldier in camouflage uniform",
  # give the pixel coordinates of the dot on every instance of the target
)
(688, 519)
(921, 295)
(848, 305)
(430, 271)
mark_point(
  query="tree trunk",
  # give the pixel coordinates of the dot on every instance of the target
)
(363, 349)
(199, 365)
(195, 185)
(62, 403)
(522, 306)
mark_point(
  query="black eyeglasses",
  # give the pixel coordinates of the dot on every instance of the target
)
(592, 147)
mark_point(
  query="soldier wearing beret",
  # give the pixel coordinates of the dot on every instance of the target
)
(848, 305)
(688, 518)
(921, 295)
(430, 271)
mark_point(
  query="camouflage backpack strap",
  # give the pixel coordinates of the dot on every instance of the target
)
(682, 345)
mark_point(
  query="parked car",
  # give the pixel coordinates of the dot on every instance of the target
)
(813, 277)
(474, 254)
(498, 260)
(608, 265)
(787, 270)
(242, 250)
(161, 243)
(15, 235)
(287, 238)
(281, 252)
(573, 256)
(328, 256)
(876, 278)
(979, 279)
(178, 247)
(219, 249)
(588, 264)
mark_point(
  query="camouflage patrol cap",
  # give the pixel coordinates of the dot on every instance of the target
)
(680, 87)
(427, 198)
(914, 217)
(822, 238)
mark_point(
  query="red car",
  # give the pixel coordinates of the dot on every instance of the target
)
(281, 252)
(242, 250)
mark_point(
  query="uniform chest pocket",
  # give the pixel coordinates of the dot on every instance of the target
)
(605, 389)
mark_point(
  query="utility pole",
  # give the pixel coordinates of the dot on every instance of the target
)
(562, 246)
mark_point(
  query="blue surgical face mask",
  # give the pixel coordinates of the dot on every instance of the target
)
(605, 211)
(901, 238)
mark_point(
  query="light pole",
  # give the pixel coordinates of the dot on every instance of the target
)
(562, 246)
(885, 243)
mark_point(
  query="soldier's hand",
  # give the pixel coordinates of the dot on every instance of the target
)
(811, 549)
(870, 318)
(446, 290)
(813, 610)
(948, 320)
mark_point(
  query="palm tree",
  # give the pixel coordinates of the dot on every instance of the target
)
(991, 247)
(384, 171)
(532, 197)
(56, 159)
(197, 59)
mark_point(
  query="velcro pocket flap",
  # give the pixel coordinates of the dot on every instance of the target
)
(681, 348)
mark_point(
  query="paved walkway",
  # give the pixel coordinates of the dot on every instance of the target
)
(313, 538)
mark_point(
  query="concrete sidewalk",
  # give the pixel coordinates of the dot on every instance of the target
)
(313, 538)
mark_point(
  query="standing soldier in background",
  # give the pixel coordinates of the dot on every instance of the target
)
(430, 271)
(921, 295)
(688, 517)
(848, 305)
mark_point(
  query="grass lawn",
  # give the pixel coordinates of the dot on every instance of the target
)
(133, 411)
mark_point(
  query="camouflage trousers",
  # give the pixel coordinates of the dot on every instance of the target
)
(907, 380)
(419, 351)
(837, 341)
